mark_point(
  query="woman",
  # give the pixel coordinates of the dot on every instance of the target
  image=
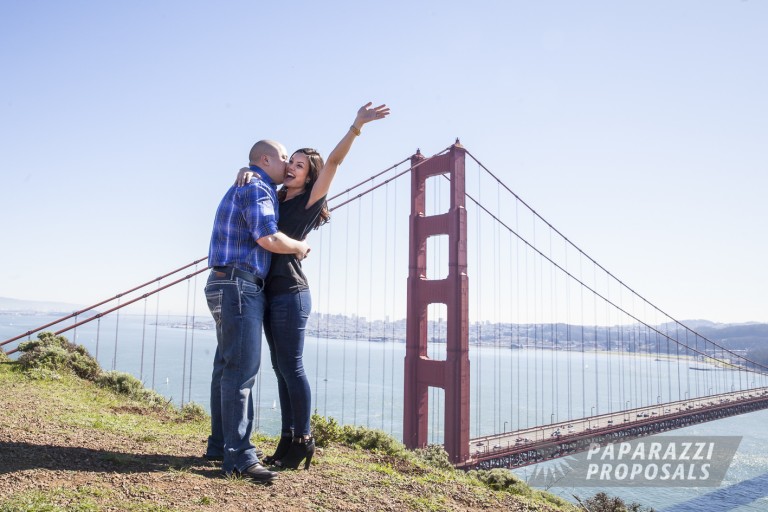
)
(302, 208)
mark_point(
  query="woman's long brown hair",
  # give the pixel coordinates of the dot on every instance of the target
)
(315, 164)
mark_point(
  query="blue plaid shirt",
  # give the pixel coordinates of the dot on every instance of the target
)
(245, 214)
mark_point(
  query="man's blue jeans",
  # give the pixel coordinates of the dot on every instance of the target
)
(285, 322)
(237, 307)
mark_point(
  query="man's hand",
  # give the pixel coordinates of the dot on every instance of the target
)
(279, 243)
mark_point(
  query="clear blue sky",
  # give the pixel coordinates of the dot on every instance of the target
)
(638, 129)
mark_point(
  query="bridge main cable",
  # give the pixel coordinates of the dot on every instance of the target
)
(119, 295)
(365, 192)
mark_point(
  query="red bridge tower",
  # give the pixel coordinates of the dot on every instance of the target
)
(421, 372)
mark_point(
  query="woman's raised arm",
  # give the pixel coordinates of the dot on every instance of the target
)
(365, 114)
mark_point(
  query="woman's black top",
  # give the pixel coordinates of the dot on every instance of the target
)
(296, 221)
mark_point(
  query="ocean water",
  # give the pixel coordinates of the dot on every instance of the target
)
(361, 382)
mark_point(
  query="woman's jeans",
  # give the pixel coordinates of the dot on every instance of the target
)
(237, 307)
(285, 321)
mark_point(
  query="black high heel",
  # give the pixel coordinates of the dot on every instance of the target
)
(282, 449)
(301, 448)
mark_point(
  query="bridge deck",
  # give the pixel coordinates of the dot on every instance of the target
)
(533, 445)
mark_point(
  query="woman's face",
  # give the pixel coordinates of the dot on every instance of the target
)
(297, 171)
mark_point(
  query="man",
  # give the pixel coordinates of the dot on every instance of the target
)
(244, 236)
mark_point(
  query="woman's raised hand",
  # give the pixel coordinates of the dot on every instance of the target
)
(366, 114)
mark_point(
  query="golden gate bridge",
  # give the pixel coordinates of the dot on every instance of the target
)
(507, 323)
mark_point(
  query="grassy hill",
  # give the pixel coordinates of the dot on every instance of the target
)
(69, 444)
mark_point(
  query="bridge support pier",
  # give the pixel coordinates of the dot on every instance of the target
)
(421, 372)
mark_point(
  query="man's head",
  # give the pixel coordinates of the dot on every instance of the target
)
(270, 156)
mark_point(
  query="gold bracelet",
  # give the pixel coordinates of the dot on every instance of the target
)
(356, 131)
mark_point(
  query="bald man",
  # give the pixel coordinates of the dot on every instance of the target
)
(244, 237)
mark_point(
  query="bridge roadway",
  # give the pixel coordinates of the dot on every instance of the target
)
(545, 442)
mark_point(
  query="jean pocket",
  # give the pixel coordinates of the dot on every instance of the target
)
(305, 302)
(214, 296)
(248, 288)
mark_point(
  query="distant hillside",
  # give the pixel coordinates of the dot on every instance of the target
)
(739, 336)
(8, 304)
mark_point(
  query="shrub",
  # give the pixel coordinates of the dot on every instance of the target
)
(434, 455)
(325, 430)
(501, 479)
(370, 439)
(127, 384)
(55, 353)
(601, 502)
(42, 374)
(4, 357)
(193, 412)
(120, 382)
(555, 500)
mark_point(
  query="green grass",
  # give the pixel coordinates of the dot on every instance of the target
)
(364, 467)
(205, 500)
(428, 503)
(83, 499)
(383, 469)
(54, 500)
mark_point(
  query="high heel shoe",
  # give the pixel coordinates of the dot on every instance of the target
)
(282, 449)
(301, 448)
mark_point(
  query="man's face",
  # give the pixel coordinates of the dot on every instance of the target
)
(276, 166)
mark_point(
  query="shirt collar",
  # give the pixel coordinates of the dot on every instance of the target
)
(263, 175)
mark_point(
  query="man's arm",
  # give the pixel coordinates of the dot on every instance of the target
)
(259, 213)
(280, 243)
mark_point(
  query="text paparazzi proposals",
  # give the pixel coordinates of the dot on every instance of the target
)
(657, 461)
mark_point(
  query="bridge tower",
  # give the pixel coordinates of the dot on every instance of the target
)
(421, 372)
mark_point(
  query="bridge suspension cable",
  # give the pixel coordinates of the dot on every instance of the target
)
(598, 265)
(542, 278)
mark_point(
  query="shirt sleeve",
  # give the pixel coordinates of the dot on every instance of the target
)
(258, 207)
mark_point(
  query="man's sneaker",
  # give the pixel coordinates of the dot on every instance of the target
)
(257, 473)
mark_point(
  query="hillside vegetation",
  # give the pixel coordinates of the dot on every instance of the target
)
(96, 441)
